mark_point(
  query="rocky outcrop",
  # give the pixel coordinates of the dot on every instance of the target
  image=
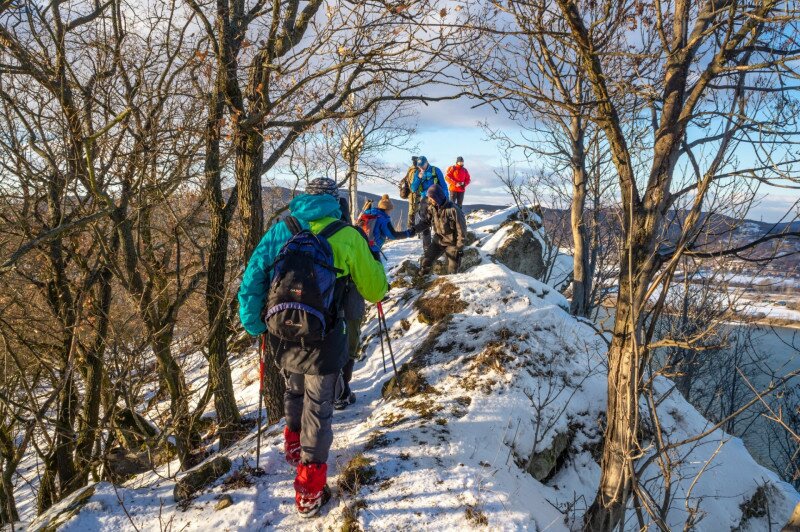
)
(521, 251)
(542, 465)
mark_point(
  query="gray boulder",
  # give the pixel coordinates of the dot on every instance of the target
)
(521, 251)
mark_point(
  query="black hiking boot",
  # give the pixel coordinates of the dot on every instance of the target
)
(344, 401)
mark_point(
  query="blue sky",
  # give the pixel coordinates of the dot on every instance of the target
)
(449, 129)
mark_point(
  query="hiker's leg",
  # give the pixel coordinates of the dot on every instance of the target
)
(453, 261)
(347, 374)
(433, 252)
(316, 434)
(293, 400)
(353, 338)
(413, 203)
(426, 234)
(458, 198)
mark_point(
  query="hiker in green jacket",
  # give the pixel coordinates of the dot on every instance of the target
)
(311, 369)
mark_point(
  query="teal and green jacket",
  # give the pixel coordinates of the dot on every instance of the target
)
(351, 255)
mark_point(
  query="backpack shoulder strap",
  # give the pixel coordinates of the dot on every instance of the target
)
(434, 175)
(333, 228)
(293, 225)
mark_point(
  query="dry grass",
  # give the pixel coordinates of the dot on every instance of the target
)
(358, 472)
(476, 516)
(350, 516)
(494, 357)
(408, 383)
(440, 301)
(425, 407)
(377, 440)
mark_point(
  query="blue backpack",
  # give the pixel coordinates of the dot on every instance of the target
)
(301, 302)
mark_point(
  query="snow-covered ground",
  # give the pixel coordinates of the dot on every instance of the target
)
(509, 383)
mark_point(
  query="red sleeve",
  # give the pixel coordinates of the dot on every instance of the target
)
(467, 179)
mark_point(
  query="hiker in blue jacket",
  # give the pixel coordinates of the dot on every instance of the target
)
(377, 224)
(425, 178)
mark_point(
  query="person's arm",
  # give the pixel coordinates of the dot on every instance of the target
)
(426, 222)
(416, 185)
(461, 228)
(449, 177)
(393, 234)
(367, 273)
(467, 178)
(255, 282)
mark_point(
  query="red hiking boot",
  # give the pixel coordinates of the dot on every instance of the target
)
(311, 492)
(291, 446)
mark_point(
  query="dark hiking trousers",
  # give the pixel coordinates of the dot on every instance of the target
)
(457, 198)
(308, 405)
(353, 342)
(422, 216)
(434, 251)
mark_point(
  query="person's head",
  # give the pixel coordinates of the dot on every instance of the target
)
(422, 162)
(436, 195)
(385, 204)
(414, 160)
(460, 161)
(321, 186)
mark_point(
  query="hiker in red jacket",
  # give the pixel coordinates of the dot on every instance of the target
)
(457, 180)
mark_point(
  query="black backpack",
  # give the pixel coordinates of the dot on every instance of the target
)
(302, 306)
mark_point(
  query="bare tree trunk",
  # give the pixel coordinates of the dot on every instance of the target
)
(94, 376)
(221, 213)
(581, 274)
(249, 154)
(185, 437)
(8, 507)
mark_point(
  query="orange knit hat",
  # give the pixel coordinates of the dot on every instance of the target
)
(385, 204)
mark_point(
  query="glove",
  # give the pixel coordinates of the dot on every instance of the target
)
(412, 231)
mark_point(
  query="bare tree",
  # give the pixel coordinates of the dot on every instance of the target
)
(709, 84)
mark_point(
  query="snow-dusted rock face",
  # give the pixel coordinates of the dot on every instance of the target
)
(497, 422)
(515, 246)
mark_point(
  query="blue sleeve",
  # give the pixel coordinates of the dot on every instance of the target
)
(255, 283)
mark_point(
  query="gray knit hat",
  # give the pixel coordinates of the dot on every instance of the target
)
(322, 185)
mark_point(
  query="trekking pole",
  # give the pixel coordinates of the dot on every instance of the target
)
(380, 335)
(262, 349)
(382, 319)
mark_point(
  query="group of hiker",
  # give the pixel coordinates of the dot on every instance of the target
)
(305, 289)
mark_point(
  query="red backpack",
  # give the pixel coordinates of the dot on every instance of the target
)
(367, 224)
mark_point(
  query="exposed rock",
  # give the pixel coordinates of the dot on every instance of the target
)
(60, 513)
(521, 251)
(122, 464)
(543, 465)
(470, 239)
(223, 503)
(201, 476)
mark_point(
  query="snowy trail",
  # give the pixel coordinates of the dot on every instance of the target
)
(508, 380)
